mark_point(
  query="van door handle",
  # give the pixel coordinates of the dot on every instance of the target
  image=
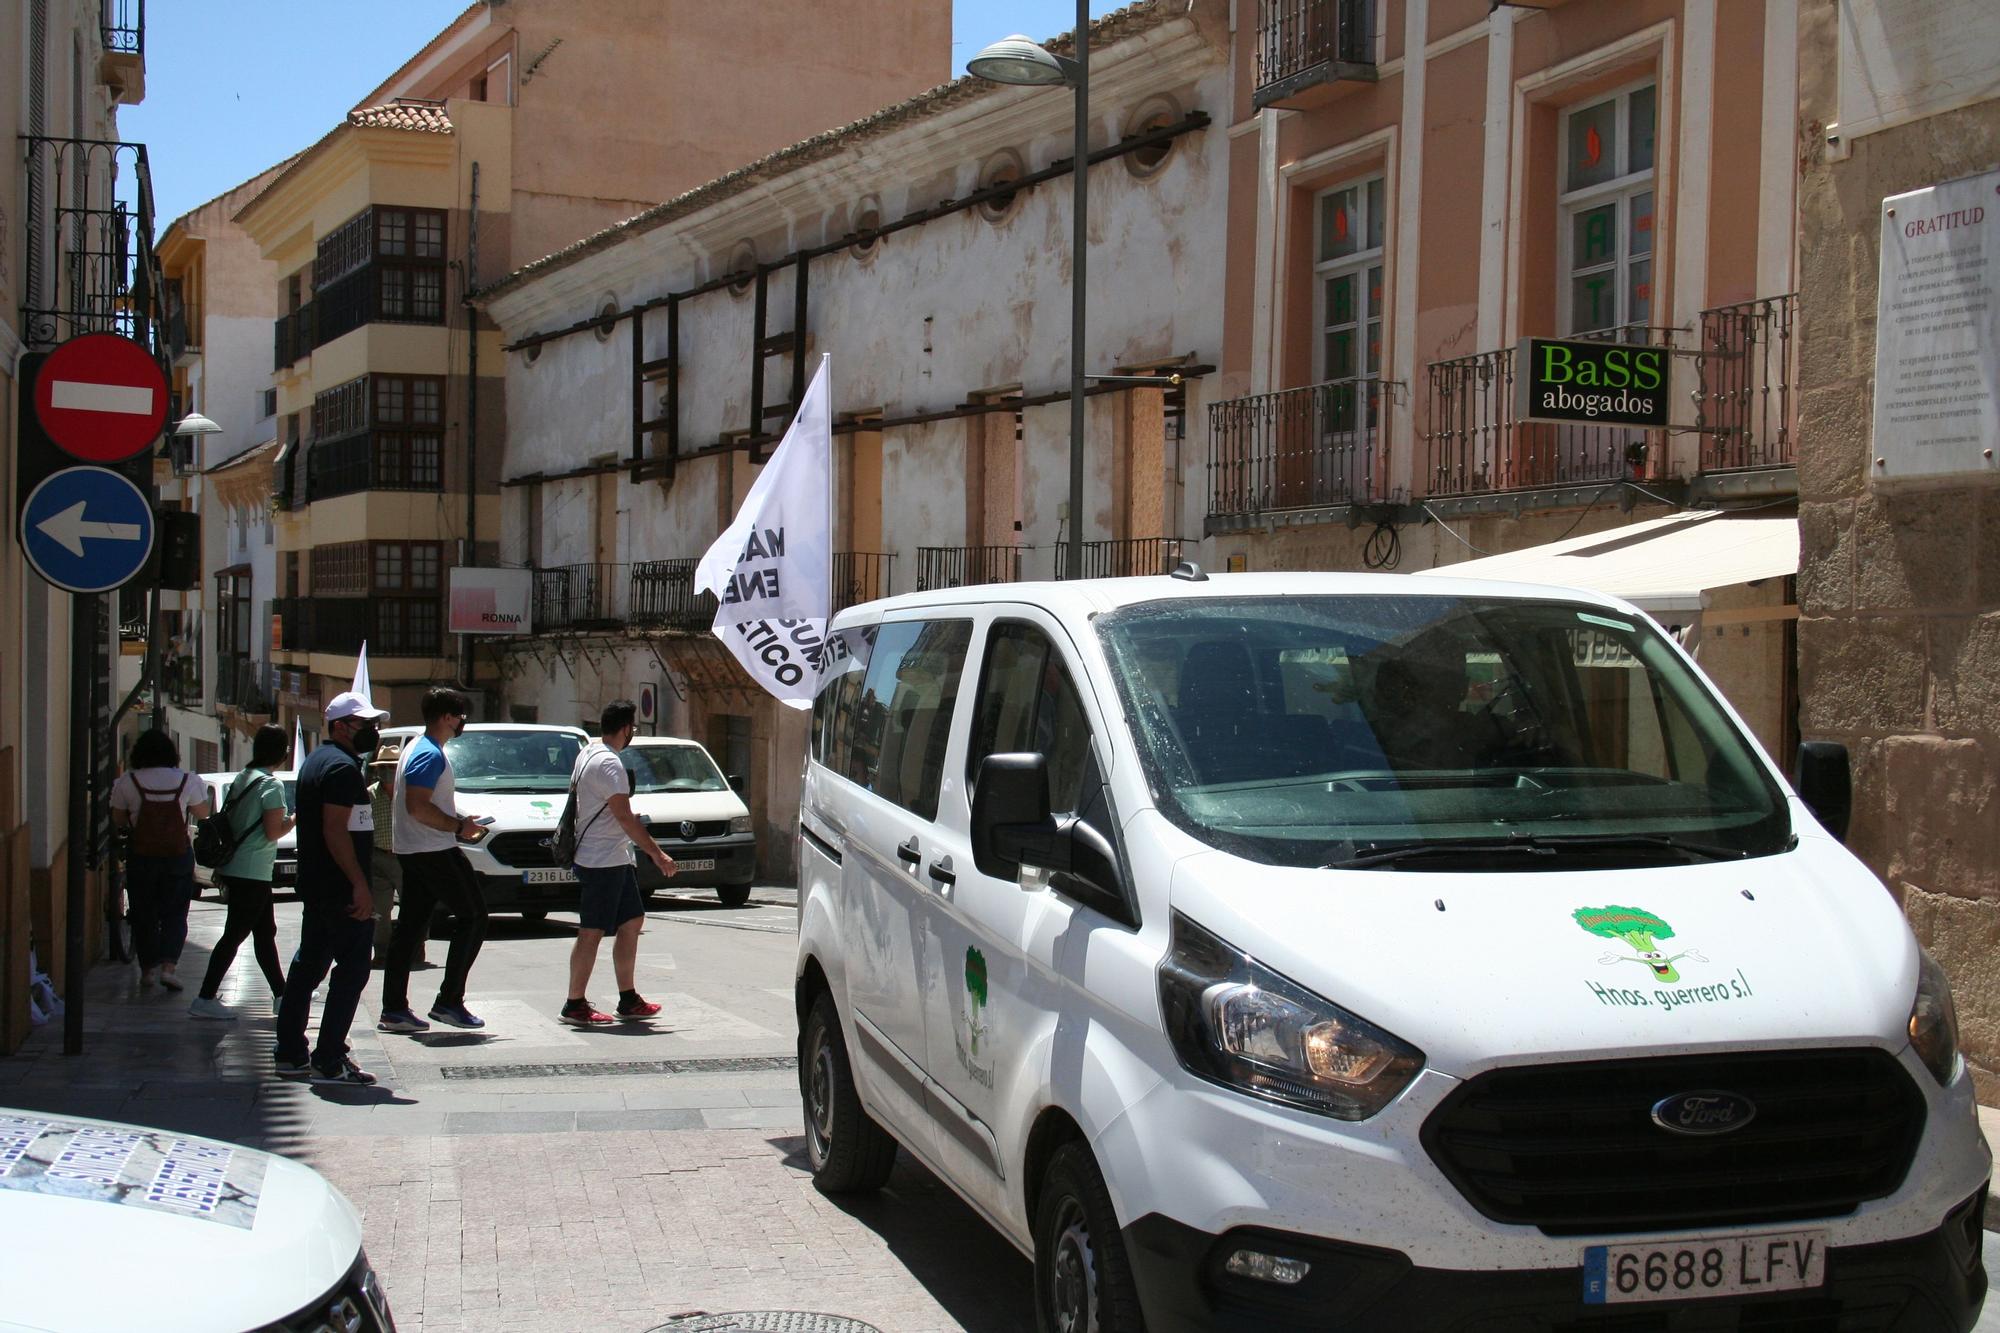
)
(907, 851)
(941, 871)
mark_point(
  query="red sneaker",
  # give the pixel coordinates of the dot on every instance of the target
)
(580, 1014)
(637, 1007)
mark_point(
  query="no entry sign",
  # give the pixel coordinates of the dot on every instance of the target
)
(101, 398)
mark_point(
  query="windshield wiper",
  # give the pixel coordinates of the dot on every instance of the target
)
(1531, 844)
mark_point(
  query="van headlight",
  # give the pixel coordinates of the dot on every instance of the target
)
(739, 823)
(1235, 1022)
(1934, 1020)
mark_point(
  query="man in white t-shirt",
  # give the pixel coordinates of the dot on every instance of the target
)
(606, 832)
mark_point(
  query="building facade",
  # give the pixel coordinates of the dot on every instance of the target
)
(1899, 584)
(518, 129)
(75, 257)
(650, 370)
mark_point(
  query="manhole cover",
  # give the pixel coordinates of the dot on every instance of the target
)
(765, 1321)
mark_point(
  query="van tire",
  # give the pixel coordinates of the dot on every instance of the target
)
(848, 1152)
(733, 895)
(1083, 1277)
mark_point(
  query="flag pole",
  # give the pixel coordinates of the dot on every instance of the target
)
(832, 533)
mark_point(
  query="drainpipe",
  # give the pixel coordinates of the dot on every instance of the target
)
(470, 279)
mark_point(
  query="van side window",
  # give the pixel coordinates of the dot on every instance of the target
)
(833, 709)
(1028, 704)
(902, 717)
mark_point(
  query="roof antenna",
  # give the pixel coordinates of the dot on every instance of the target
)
(1187, 571)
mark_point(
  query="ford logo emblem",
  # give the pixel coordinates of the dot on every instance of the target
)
(1703, 1112)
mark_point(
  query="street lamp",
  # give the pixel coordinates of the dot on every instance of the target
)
(1017, 60)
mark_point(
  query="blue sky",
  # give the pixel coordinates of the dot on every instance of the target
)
(225, 100)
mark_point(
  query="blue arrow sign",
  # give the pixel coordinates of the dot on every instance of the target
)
(87, 529)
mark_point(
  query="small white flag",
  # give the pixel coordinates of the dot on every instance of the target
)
(361, 686)
(298, 743)
(770, 567)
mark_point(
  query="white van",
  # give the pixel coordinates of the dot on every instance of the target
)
(1309, 950)
(285, 866)
(118, 1226)
(519, 775)
(696, 814)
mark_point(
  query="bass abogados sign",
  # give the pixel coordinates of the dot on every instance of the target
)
(1598, 384)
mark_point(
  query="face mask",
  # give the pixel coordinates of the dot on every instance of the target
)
(366, 737)
(459, 729)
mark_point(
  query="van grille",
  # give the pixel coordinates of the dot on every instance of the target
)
(703, 828)
(523, 851)
(1572, 1148)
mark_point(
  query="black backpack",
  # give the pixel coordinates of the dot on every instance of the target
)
(215, 837)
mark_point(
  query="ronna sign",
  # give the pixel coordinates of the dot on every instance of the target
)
(1603, 384)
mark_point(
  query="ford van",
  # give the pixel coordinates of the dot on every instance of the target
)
(519, 776)
(1313, 951)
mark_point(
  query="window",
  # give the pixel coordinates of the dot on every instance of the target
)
(340, 570)
(267, 404)
(409, 446)
(1348, 280)
(902, 717)
(409, 244)
(342, 251)
(1607, 212)
(406, 567)
(1003, 168)
(341, 410)
(1029, 705)
(406, 626)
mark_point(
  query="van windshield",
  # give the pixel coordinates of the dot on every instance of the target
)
(526, 761)
(660, 768)
(1425, 732)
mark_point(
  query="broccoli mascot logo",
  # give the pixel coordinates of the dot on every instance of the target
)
(1640, 929)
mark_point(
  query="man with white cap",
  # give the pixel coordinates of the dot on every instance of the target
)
(336, 836)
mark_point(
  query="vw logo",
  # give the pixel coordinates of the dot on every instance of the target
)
(687, 829)
(1703, 1112)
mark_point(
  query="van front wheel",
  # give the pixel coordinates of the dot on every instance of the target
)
(1083, 1279)
(848, 1152)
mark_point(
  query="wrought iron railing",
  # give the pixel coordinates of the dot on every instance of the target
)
(1747, 408)
(292, 337)
(344, 305)
(240, 683)
(1476, 444)
(1295, 36)
(125, 27)
(966, 566)
(663, 597)
(861, 576)
(1127, 557)
(576, 597)
(89, 266)
(371, 461)
(1303, 448)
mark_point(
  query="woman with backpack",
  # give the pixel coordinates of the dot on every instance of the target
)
(256, 813)
(155, 800)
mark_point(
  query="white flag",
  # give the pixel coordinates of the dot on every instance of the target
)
(298, 743)
(361, 675)
(770, 567)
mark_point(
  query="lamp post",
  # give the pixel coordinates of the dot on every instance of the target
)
(189, 427)
(1019, 61)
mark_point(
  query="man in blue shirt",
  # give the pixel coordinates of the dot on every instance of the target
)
(336, 835)
(427, 829)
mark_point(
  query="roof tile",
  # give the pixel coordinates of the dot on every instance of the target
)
(402, 114)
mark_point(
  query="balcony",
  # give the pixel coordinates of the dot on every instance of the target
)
(123, 64)
(1129, 557)
(1294, 452)
(88, 265)
(664, 597)
(392, 626)
(576, 598)
(1477, 446)
(1306, 49)
(292, 338)
(239, 683)
(861, 576)
(373, 461)
(967, 566)
(1747, 409)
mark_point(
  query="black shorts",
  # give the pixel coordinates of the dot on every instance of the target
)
(609, 897)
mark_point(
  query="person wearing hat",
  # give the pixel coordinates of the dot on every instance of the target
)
(336, 842)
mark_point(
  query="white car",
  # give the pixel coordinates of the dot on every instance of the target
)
(1287, 951)
(696, 814)
(113, 1226)
(518, 775)
(285, 868)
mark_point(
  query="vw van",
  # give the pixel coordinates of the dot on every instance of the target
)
(696, 814)
(285, 865)
(1311, 951)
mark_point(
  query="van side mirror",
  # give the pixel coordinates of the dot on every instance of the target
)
(1825, 782)
(1012, 826)
(736, 783)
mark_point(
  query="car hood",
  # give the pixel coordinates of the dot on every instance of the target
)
(119, 1226)
(1481, 969)
(513, 810)
(671, 806)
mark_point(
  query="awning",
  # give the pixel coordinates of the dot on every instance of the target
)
(1661, 565)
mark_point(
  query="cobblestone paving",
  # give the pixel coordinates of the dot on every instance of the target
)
(538, 1177)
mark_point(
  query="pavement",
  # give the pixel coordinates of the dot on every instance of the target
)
(534, 1176)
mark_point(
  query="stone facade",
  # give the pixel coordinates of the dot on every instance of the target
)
(1899, 592)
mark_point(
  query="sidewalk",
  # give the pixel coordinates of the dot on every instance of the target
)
(538, 1177)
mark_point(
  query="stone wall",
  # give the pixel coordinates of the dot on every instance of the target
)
(1899, 636)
